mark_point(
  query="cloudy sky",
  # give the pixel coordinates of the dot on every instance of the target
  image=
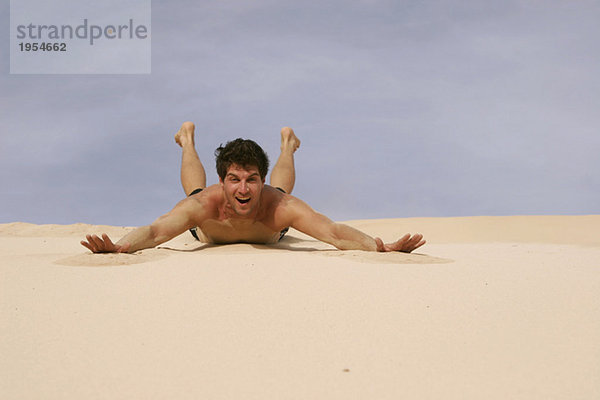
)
(404, 108)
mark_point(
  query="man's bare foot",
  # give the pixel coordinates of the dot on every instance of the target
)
(289, 139)
(185, 134)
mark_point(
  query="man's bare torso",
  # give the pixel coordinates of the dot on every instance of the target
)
(221, 225)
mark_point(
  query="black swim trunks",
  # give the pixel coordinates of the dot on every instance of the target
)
(195, 234)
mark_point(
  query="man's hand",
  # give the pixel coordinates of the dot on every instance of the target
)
(406, 243)
(103, 245)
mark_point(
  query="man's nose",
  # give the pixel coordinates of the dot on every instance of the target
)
(244, 187)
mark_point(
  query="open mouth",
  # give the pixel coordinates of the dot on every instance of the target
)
(242, 200)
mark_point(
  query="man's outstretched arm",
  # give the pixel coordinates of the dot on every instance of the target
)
(166, 227)
(342, 236)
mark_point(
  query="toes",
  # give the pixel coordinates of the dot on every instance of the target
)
(188, 126)
(288, 135)
(185, 134)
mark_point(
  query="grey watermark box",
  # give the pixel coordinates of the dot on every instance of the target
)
(80, 37)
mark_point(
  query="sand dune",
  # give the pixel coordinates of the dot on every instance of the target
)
(491, 307)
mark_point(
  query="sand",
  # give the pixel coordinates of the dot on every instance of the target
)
(490, 308)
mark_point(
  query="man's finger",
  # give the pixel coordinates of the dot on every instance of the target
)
(414, 240)
(86, 244)
(93, 243)
(98, 243)
(400, 243)
(107, 241)
(421, 243)
(404, 238)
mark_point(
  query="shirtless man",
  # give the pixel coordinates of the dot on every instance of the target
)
(241, 208)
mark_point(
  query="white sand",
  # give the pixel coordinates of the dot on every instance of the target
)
(490, 308)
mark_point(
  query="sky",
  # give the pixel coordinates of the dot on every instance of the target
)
(404, 109)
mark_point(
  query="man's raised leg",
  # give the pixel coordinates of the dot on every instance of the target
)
(284, 172)
(192, 171)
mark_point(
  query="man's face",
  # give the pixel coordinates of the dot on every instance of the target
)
(242, 187)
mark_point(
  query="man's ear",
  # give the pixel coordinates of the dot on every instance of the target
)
(221, 182)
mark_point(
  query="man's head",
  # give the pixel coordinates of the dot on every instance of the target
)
(243, 152)
(242, 166)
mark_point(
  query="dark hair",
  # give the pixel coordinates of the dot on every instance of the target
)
(243, 152)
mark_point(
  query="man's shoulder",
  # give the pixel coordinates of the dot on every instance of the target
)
(210, 197)
(280, 203)
(210, 190)
(275, 197)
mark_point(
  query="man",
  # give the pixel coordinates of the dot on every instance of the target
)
(241, 208)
